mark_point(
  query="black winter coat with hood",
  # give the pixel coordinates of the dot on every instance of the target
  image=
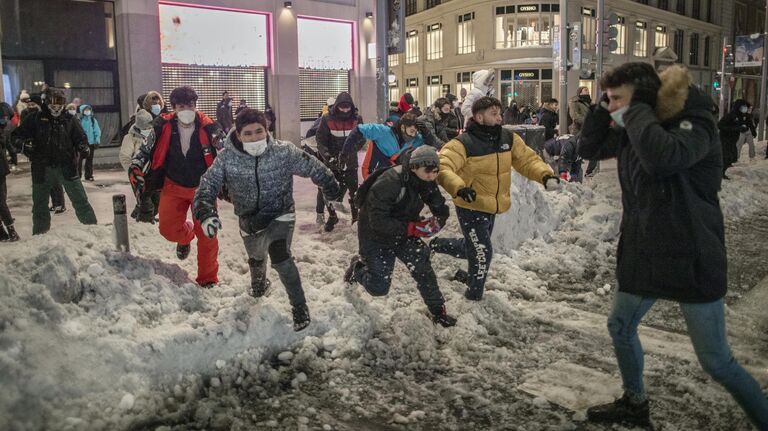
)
(335, 127)
(396, 198)
(672, 242)
(731, 126)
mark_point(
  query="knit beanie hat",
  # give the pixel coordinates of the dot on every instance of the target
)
(143, 119)
(425, 156)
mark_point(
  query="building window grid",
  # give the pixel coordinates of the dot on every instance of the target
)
(393, 60)
(589, 28)
(432, 3)
(434, 89)
(693, 57)
(525, 29)
(411, 7)
(464, 80)
(434, 41)
(640, 39)
(663, 4)
(412, 86)
(394, 92)
(621, 36)
(681, 7)
(707, 50)
(679, 41)
(660, 37)
(466, 33)
(412, 47)
(696, 9)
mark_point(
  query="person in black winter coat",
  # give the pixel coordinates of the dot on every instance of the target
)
(672, 243)
(334, 128)
(7, 231)
(391, 227)
(549, 118)
(224, 112)
(53, 140)
(734, 127)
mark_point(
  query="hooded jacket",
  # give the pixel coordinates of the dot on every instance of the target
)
(396, 198)
(335, 127)
(147, 103)
(443, 126)
(129, 147)
(483, 160)
(387, 145)
(90, 125)
(577, 110)
(403, 106)
(260, 188)
(672, 242)
(731, 126)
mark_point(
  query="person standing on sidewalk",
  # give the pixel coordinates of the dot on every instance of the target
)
(53, 141)
(177, 153)
(672, 243)
(258, 172)
(93, 133)
(7, 231)
(476, 170)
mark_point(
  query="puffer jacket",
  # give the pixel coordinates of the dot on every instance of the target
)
(335, 127)
(443, 126)
(261, 188)
(669, 161)
(577, 110)
(129, 147)
(90, 125)
(484, 162)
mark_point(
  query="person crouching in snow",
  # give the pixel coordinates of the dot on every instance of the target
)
(258, 173)
(390, 202)
(476, 169)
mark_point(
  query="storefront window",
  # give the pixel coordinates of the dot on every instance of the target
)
(525, 25)
(528, 87)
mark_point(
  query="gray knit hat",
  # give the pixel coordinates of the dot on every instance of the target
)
(424, 156)
(143, 119)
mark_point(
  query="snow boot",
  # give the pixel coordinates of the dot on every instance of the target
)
(353, 211)
(461, 276)
(12, 235)
(441, 317)
(300, 317)
(354, 265)
(623, 410)
(58, 209)
(182, 251)
(320, 219)
(331, 222)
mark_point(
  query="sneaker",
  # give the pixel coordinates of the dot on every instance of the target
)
(331, 222)
(442, 318)
(320, 219)
(621, 411)
(59, 209)
(461, 276)
(4, 236)
(182, 251)
(473, 295)
(208, 285)
(12, 235)
(263, 289)
(89, 178)
(300, 317)
(349, 274)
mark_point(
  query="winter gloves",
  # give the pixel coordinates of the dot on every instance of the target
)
(552, 183)
(136, 177)
(211, 226)
(426, 228)
(467, 194)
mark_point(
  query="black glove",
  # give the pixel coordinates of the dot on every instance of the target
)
(551, 182)
(646, 91)
(467, 194)
(27, 148)
(332, 192)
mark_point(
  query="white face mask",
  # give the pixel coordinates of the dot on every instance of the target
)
(156, 109)
(255, 148)
(618, 116)
(743, 109)
(186, 117)
(72, 112)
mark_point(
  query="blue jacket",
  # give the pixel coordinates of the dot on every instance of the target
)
(90, 126)
(386, 148)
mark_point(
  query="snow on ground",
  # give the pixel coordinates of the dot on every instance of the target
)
(94, 339)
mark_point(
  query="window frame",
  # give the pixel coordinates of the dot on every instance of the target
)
(434, 39)
(640, 39)
(465, 31)
(412, 47)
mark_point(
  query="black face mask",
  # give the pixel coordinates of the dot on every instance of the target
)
(586, 98)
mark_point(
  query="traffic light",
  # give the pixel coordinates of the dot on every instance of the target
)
(611, 33)
(716, 84)
(728, 57)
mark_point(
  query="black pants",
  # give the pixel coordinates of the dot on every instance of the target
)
(379, 259)
(475, 246)
(57, 194)
(88, 163)
(591, 166)
(147, 208)
(5, 212)
(347, 183)
(13, 158)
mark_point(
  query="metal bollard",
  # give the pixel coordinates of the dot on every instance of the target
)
(120, 224)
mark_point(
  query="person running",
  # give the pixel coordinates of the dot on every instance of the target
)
(672, 243)
(258, 172)
(476, 170)
(391, 227)
(177, 153)
(54, 141)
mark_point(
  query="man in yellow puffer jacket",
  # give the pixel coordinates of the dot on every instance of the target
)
(476, 170)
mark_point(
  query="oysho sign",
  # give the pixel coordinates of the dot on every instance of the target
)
(524, 75)
(528, 8)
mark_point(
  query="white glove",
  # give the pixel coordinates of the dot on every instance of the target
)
(483, 79)
(211, 226)
(552, 183)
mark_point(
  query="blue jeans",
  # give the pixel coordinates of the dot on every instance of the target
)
(706, 327)
(476, 246)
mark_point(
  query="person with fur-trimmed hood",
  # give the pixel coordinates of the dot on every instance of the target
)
(441, 120)
(258, 172)
(391, 227)
(181, 147)
(53, 140)
(334, 128)
(662, 133)
(476, 170)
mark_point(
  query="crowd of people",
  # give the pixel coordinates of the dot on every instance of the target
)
(659, 127)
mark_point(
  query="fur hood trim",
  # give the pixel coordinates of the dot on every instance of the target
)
(675, 83)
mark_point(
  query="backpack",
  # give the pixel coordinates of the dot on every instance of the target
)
(362, 191)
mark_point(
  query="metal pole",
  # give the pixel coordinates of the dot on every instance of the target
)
(763, 82)
(120, 223)
(599, 46)
(563, 72)
(382, 66)
(723, 79)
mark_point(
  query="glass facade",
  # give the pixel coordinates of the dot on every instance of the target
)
(525, 25)
(528, 87)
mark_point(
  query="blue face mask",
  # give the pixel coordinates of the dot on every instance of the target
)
(87, 113)
(156, 109)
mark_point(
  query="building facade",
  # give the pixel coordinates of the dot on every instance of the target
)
(447, 40)
(268, 52)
